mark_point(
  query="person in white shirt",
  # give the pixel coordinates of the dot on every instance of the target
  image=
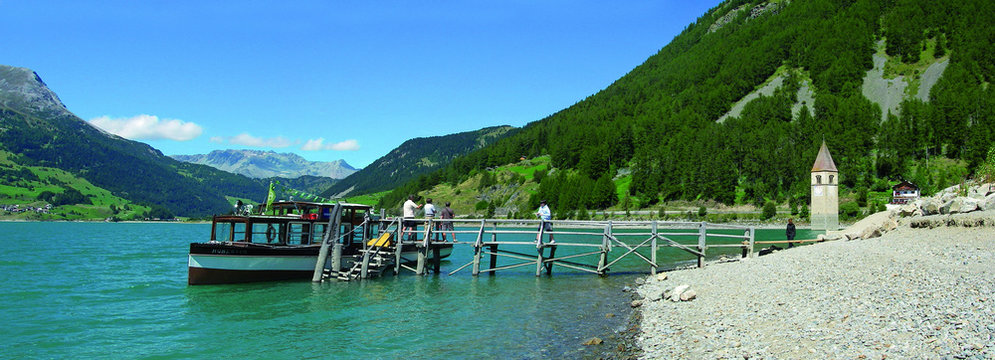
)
(409, 225)
(430, 213)
(545, 215)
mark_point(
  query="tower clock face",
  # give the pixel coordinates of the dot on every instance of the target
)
(817, 191)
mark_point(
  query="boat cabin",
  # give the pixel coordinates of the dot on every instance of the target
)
(904, 193)
(292, 223)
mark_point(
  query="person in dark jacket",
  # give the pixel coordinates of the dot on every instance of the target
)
(790, 232)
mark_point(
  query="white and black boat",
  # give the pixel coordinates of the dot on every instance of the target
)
(283, 245)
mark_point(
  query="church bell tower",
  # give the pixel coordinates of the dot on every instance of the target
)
(825, 192)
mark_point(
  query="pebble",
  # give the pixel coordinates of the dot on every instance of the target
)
(907, 294)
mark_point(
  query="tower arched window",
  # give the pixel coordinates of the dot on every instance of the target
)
(818, 179)
(830, 179)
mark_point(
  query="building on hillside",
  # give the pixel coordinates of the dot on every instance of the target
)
(904, 193)
(825, 192)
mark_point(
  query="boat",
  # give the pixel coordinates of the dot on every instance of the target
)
(284, 243)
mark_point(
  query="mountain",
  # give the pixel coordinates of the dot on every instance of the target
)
(414, 158)
(265, 164)
(932, 69)
(38, 129)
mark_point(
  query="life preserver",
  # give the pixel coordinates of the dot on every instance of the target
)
(270, 233)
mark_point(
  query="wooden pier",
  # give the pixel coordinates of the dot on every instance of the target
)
(586, 246)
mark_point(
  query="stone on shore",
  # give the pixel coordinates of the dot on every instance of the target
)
(592, 341)
(678, 293)
(988, 204)
(871, 226)
(688, 295)
(963, 205)
(661, 276)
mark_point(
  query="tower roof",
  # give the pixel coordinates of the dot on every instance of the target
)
(824, 161)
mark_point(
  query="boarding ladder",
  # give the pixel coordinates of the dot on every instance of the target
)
(376, 259)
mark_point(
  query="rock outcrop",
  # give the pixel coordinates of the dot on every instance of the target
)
(952, 207)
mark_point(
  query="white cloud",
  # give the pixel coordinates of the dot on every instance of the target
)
(246, 139)
(319, 144)
(148, 127)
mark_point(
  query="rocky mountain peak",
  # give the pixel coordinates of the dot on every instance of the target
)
(264, 164)
(23, 88)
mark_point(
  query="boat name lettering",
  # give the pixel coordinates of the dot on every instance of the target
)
(228, 252)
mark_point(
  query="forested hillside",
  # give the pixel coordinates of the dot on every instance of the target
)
(659, 120)
(414, 158)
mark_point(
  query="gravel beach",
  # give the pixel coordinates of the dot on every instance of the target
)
(912, 293)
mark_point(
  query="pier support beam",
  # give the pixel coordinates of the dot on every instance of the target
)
(437, 259)
(552, 255)
(701, 244)
(336, 258)
(494, 256)
(364, 270)
(653, 249)
(603, 258)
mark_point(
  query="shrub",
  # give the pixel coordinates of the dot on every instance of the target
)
(849, 210)
(881, 185)
(702, 211)
(769, 210)
(986, 172)
(861, 196)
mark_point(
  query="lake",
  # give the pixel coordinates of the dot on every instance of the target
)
(106, 290)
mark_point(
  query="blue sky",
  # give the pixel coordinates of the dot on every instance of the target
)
(328, 80)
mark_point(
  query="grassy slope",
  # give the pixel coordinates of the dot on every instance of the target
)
(25, 193)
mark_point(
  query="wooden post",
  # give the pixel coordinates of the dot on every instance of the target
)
(331, 234)
(603, 259)
(398, 246)
(494, 250)
(746, 243)
(437, 261)
(476, 260)
(365, 266)
(422, 255)
(701, 244)
(653, 250)
(478, 248)
(753, 237)
(539, 260)
(552, 255)
(336, 258)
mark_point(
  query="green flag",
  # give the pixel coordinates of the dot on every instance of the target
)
(270, 197)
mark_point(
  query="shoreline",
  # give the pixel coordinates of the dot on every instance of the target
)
(911, 293)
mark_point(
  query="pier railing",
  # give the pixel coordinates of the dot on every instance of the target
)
(586, 246)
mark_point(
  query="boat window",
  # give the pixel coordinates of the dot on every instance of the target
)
(319, 232)
(229, 231)
(266, 233)
(345, 231)
(299, 234)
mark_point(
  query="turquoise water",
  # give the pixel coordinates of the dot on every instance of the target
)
(96, 290)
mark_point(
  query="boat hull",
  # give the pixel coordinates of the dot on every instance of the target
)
(230, 263)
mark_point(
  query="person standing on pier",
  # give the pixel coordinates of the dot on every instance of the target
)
(545, 215)
(430, 212)
(447, 213)
(790, 232)
(409, 225)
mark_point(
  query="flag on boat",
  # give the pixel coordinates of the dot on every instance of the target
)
(270, 197)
